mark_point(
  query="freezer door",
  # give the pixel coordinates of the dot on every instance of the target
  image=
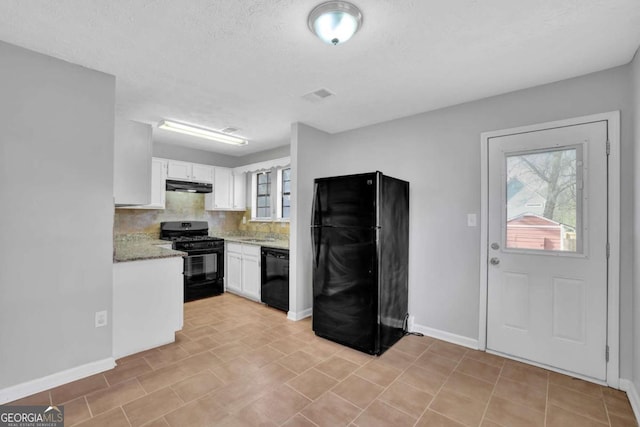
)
(347, 201)
(345, 287)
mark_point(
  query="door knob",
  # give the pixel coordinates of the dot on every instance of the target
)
(494, 261)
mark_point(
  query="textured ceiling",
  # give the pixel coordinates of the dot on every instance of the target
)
(247, 63)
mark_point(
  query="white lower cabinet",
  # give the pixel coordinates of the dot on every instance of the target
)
(251, 272)
(148, 299)
(234, 272)
(242, 275)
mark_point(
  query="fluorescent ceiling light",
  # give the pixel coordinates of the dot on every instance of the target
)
(335, 22)
(201, 132)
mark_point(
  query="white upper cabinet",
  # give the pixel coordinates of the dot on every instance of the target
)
(239, 191)
(158, 185)
(222, 188)
(202, 173)
(179, 170)
(185, 171)
(132, 163)
(228, 190)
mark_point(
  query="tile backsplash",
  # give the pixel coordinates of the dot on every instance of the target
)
(262, 227)
(189, 206)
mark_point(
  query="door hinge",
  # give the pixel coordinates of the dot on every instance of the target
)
(608, 250)
(608, 147)
(606, 353)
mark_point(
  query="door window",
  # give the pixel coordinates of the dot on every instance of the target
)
(543, 191)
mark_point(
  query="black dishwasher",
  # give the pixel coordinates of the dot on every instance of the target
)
(275, 278)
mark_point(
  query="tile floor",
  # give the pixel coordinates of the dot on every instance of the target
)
(238, 363)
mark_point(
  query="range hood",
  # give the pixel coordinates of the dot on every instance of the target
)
(189, 187)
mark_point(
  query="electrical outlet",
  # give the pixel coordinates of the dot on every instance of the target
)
(244, 219)
(101, 318)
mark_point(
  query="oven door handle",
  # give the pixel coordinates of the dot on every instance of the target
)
(196, 252)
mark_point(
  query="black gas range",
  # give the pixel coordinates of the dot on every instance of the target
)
(204, 263)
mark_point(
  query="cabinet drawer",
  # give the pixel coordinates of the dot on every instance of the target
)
(234, 247)
(252, 250)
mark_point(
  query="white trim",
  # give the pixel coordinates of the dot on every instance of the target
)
(295, 316)
(275, 195)
(28, 388)
(282, 162)
(613, 279)
(484, 240)
(293, 228)
(613, 214)
(443, 335)
(632, 393)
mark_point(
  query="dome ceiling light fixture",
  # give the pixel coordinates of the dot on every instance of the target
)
(335, 22)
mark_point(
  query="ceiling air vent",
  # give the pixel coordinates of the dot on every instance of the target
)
(318, 95)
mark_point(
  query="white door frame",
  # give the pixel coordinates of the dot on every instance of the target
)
(613, 226)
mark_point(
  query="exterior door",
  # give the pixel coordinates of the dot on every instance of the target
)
(547, 235)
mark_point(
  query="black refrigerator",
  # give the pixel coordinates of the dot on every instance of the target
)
(360, 239)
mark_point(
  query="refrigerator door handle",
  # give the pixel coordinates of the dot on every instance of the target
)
(314, 225)
(313, 206)
(314, 243)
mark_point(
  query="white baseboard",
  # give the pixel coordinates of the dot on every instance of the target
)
(442, 335)
(299, 315)
(632, 393)
(28, 388)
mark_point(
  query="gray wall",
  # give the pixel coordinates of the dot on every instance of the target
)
(274, 153)
(635, 69)
(307, 145)
(439, 154)
(187, 154)
(193, 155)
(56, 221)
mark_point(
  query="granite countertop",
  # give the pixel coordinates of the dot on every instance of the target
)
(138, 249)
(139, 246)
(258, 241)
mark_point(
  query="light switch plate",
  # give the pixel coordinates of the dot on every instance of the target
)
(101, 318)
(472, 220)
